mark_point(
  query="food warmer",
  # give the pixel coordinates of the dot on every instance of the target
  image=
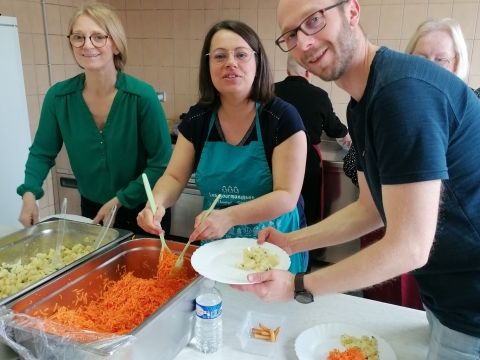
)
(160, 336)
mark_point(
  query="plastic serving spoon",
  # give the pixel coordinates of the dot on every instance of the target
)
(57, 258)
(153, 206)
(179, 263)
(105, 227)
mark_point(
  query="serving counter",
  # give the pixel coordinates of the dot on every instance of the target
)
(404, 329)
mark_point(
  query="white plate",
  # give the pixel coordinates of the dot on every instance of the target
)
(72, 217)
(316, 342)
(218, 260)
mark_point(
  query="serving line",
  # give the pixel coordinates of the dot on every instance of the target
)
(405, 329)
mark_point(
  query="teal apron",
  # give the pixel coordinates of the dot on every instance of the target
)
(241, 174)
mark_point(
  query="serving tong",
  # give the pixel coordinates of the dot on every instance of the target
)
(103, 232)
(57, 258)
(153, 206)
(179, 263)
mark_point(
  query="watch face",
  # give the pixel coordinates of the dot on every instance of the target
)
(304, 297)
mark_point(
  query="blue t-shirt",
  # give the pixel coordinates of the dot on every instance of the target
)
(417, 122)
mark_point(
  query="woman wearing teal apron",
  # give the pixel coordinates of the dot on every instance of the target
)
(253, 155)
(239, 174)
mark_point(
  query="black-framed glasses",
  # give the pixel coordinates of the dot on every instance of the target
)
(313, 24)
(98, 40)
(240, 54)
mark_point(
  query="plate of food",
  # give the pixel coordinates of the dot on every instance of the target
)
(229, 261)
(336, 341)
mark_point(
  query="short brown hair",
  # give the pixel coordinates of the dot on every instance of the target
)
(106, 18)
(262, 87)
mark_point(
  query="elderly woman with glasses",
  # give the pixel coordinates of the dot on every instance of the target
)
(112, 125)
(442, 41)
(241, 142)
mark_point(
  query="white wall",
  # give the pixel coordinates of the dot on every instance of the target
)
(14, 127)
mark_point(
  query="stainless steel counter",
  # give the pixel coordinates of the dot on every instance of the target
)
(339, 192)
(332, 152)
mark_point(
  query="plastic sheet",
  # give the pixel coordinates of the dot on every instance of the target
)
(38, 339)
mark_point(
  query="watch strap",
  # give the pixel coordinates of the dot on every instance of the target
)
(298, 282)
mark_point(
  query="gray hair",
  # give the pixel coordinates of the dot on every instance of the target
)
(293, 67)
(453, 28)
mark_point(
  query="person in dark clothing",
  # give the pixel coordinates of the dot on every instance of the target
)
(317, 116)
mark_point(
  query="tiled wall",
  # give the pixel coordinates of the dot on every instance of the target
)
(165, 38)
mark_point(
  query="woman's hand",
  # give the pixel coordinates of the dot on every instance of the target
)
(215, 226)
(270, 286)
(276, 237)
(29, 213)
(151, 222)
(102, 215)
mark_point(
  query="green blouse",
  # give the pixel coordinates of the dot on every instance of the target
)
(108, 162)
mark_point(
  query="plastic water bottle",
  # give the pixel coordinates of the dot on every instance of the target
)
(208, 321)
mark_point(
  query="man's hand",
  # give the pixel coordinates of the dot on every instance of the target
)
(276, 237)
(270, 286)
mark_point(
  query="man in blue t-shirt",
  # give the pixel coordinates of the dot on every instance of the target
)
(416, 129)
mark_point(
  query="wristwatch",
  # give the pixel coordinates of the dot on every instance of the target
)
(302, 295)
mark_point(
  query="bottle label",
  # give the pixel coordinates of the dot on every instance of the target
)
(209, 311)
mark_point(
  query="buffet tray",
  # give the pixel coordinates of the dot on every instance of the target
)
(161, 336)
(21, 246)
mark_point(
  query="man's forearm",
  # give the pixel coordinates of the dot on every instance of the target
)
(344, 225)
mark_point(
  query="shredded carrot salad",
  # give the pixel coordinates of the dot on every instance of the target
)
(125, 303)
(353, 353)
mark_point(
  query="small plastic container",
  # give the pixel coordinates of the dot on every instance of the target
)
(256, 346)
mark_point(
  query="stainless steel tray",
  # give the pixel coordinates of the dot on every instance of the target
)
(20, 246)
(162, 335)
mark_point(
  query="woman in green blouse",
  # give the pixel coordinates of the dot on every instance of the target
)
(112, 125)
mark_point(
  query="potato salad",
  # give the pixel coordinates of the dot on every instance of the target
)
(367, 344)
(258, 259)
(17, 276)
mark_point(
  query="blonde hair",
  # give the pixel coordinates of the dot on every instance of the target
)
(452, 27)
(107, 19)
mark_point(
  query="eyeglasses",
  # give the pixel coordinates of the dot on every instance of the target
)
(97, 40)
(240, 55)
(313, 24)
(441, 60)
(444, 61)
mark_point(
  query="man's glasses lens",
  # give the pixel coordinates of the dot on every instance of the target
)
(78, 40)
(313, 24)
(310, 26)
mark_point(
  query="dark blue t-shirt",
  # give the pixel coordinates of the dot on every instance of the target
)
(417, 122)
